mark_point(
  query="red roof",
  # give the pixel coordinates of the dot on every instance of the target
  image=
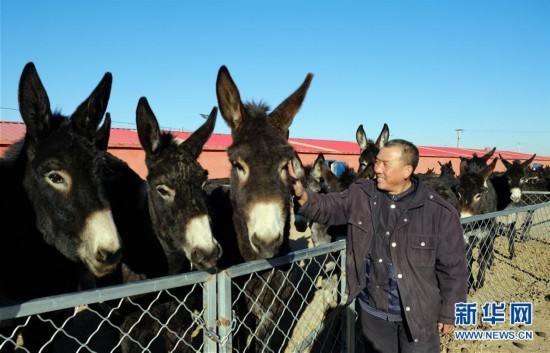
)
(10, 132)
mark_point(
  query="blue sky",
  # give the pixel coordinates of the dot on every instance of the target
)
(426, 68)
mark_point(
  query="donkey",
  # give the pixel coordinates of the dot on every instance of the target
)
(127, 193)
(369, 150)
(55, 214)
(476, 195)
(177, 207)
(514, 178)
(444, 184)
(447, 169)
(311, 178)
(430, 173)
(509, 188)
(177, 202)
(260, 195)
(475, 164)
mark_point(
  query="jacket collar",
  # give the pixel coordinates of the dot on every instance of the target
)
(369, 187)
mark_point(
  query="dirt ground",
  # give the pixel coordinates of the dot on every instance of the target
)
(523, 279)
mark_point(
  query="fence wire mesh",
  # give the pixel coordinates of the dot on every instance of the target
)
(294, 307)
(508, 252)
(291, 304)
(517, 266)
(294, 303)
(165, 315)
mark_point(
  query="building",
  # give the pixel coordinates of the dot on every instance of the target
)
(124, 143)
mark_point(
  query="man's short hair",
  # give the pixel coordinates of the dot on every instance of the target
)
(408, 149)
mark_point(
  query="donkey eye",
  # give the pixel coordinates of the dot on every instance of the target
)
(165, 192)
(59, 180)
(477, 196)
(56, 178)
(238, 166)
(162, 192)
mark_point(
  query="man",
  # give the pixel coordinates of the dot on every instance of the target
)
(406, 253)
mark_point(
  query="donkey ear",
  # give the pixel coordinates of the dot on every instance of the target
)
(489, 169)
(488, 154)
(229, 100)
(463, 166)
(103, 133)
(297, 166)
(318, 166)
(147, 126)
(383, 137)
(505, 162)
(320, 158)
(196, 141)
(282, 116)
(89, 113)
(361, 138)
(34, 104)
(527, 162)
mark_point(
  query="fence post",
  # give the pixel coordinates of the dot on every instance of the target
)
(209, 298)
(225, 315)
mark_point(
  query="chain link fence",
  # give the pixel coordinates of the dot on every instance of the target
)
(509, 251)
(517, 271)
(295, 303)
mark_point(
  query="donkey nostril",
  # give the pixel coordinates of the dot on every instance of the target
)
(108, 257)
(197, 256)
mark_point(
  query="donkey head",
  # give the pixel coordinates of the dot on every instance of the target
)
(259, 155)
(472, 192)
(63, 175)
(475, 164)
(447, 168)
(309, 175)
(517, 174)
(177, 202)
(369, 150)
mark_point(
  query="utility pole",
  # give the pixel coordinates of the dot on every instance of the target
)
(458, 131)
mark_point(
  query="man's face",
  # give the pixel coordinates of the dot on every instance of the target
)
(392, 174)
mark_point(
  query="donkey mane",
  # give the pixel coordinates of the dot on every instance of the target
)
(257, 109)
(168, 142)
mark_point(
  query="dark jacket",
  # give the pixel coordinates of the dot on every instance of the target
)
(428, 250)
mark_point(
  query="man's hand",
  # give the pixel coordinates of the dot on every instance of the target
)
(299, 193)
(444, 328)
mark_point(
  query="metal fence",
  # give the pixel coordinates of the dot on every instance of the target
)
(515, 250)
(294, 303)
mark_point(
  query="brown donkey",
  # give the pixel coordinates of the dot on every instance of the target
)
(260, 195)
(259, 155)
